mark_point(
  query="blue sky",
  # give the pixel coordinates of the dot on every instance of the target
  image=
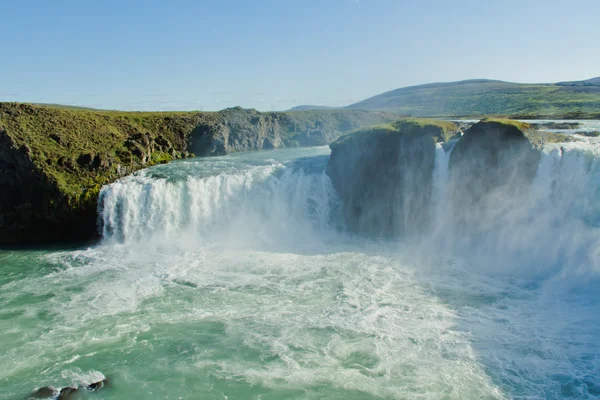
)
(272, 55)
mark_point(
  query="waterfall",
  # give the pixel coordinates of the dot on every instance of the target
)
(441, 176)
(552, 221)
(551, 224)
(272, 201)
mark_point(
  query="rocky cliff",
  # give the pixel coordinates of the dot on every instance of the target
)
(53, 161)
(384, 175)
(492, 154)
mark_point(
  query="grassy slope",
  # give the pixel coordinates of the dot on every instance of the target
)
(486, 97)
(58, 137)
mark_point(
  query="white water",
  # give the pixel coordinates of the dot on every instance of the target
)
(510, 312)
(232, 277)
(247, 204)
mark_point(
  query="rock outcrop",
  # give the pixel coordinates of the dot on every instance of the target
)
(53, 161)
(384, 175)
(491, 154)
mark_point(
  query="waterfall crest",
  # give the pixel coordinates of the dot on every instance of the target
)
(271, 201)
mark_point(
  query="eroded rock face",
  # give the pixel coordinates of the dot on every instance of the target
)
(238, 129)
(43, 393)
(492, 155)
(384, 177)
(492, 168)
(31, 204)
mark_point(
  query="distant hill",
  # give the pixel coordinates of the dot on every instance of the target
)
(485, 97)
(307, 107)
(588, 82)
(66, 106)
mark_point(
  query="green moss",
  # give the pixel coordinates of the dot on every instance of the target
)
(536, 137)
(160, 158)
(81, 150)
(441, 131)
(522, 126)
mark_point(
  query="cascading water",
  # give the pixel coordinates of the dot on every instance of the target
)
(233, 277)
(551, 223)
(255, 201)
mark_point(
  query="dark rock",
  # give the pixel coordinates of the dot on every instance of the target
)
(98, 385)
(589, 133)
(68, 393)
(384, 176)
(26, 151)
(56, 138)
(491, 166)
(491, 154)
(162, 142)
(556, 125)
(43, 393)
(85, 160)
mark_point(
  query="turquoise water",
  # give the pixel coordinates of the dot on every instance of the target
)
(231, 278)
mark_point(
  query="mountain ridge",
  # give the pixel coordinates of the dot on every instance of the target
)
(480, 97)
(488, 96)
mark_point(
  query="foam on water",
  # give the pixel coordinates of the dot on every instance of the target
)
(239, 283)
(257, 203)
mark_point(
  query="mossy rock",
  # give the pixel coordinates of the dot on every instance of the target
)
(384, 175)
(439, 130)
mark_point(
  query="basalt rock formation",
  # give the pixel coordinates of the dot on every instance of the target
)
(491, 154)
(384, 175)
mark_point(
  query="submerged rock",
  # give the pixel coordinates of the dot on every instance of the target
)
(68, 393)
(92, 387)
(44, 393)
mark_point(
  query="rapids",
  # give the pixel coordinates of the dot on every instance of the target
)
(233, 277)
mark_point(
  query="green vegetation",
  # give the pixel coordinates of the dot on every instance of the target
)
(441, 131)
(536, 137)
(81, 150)
(522, 126)
(488, 97)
